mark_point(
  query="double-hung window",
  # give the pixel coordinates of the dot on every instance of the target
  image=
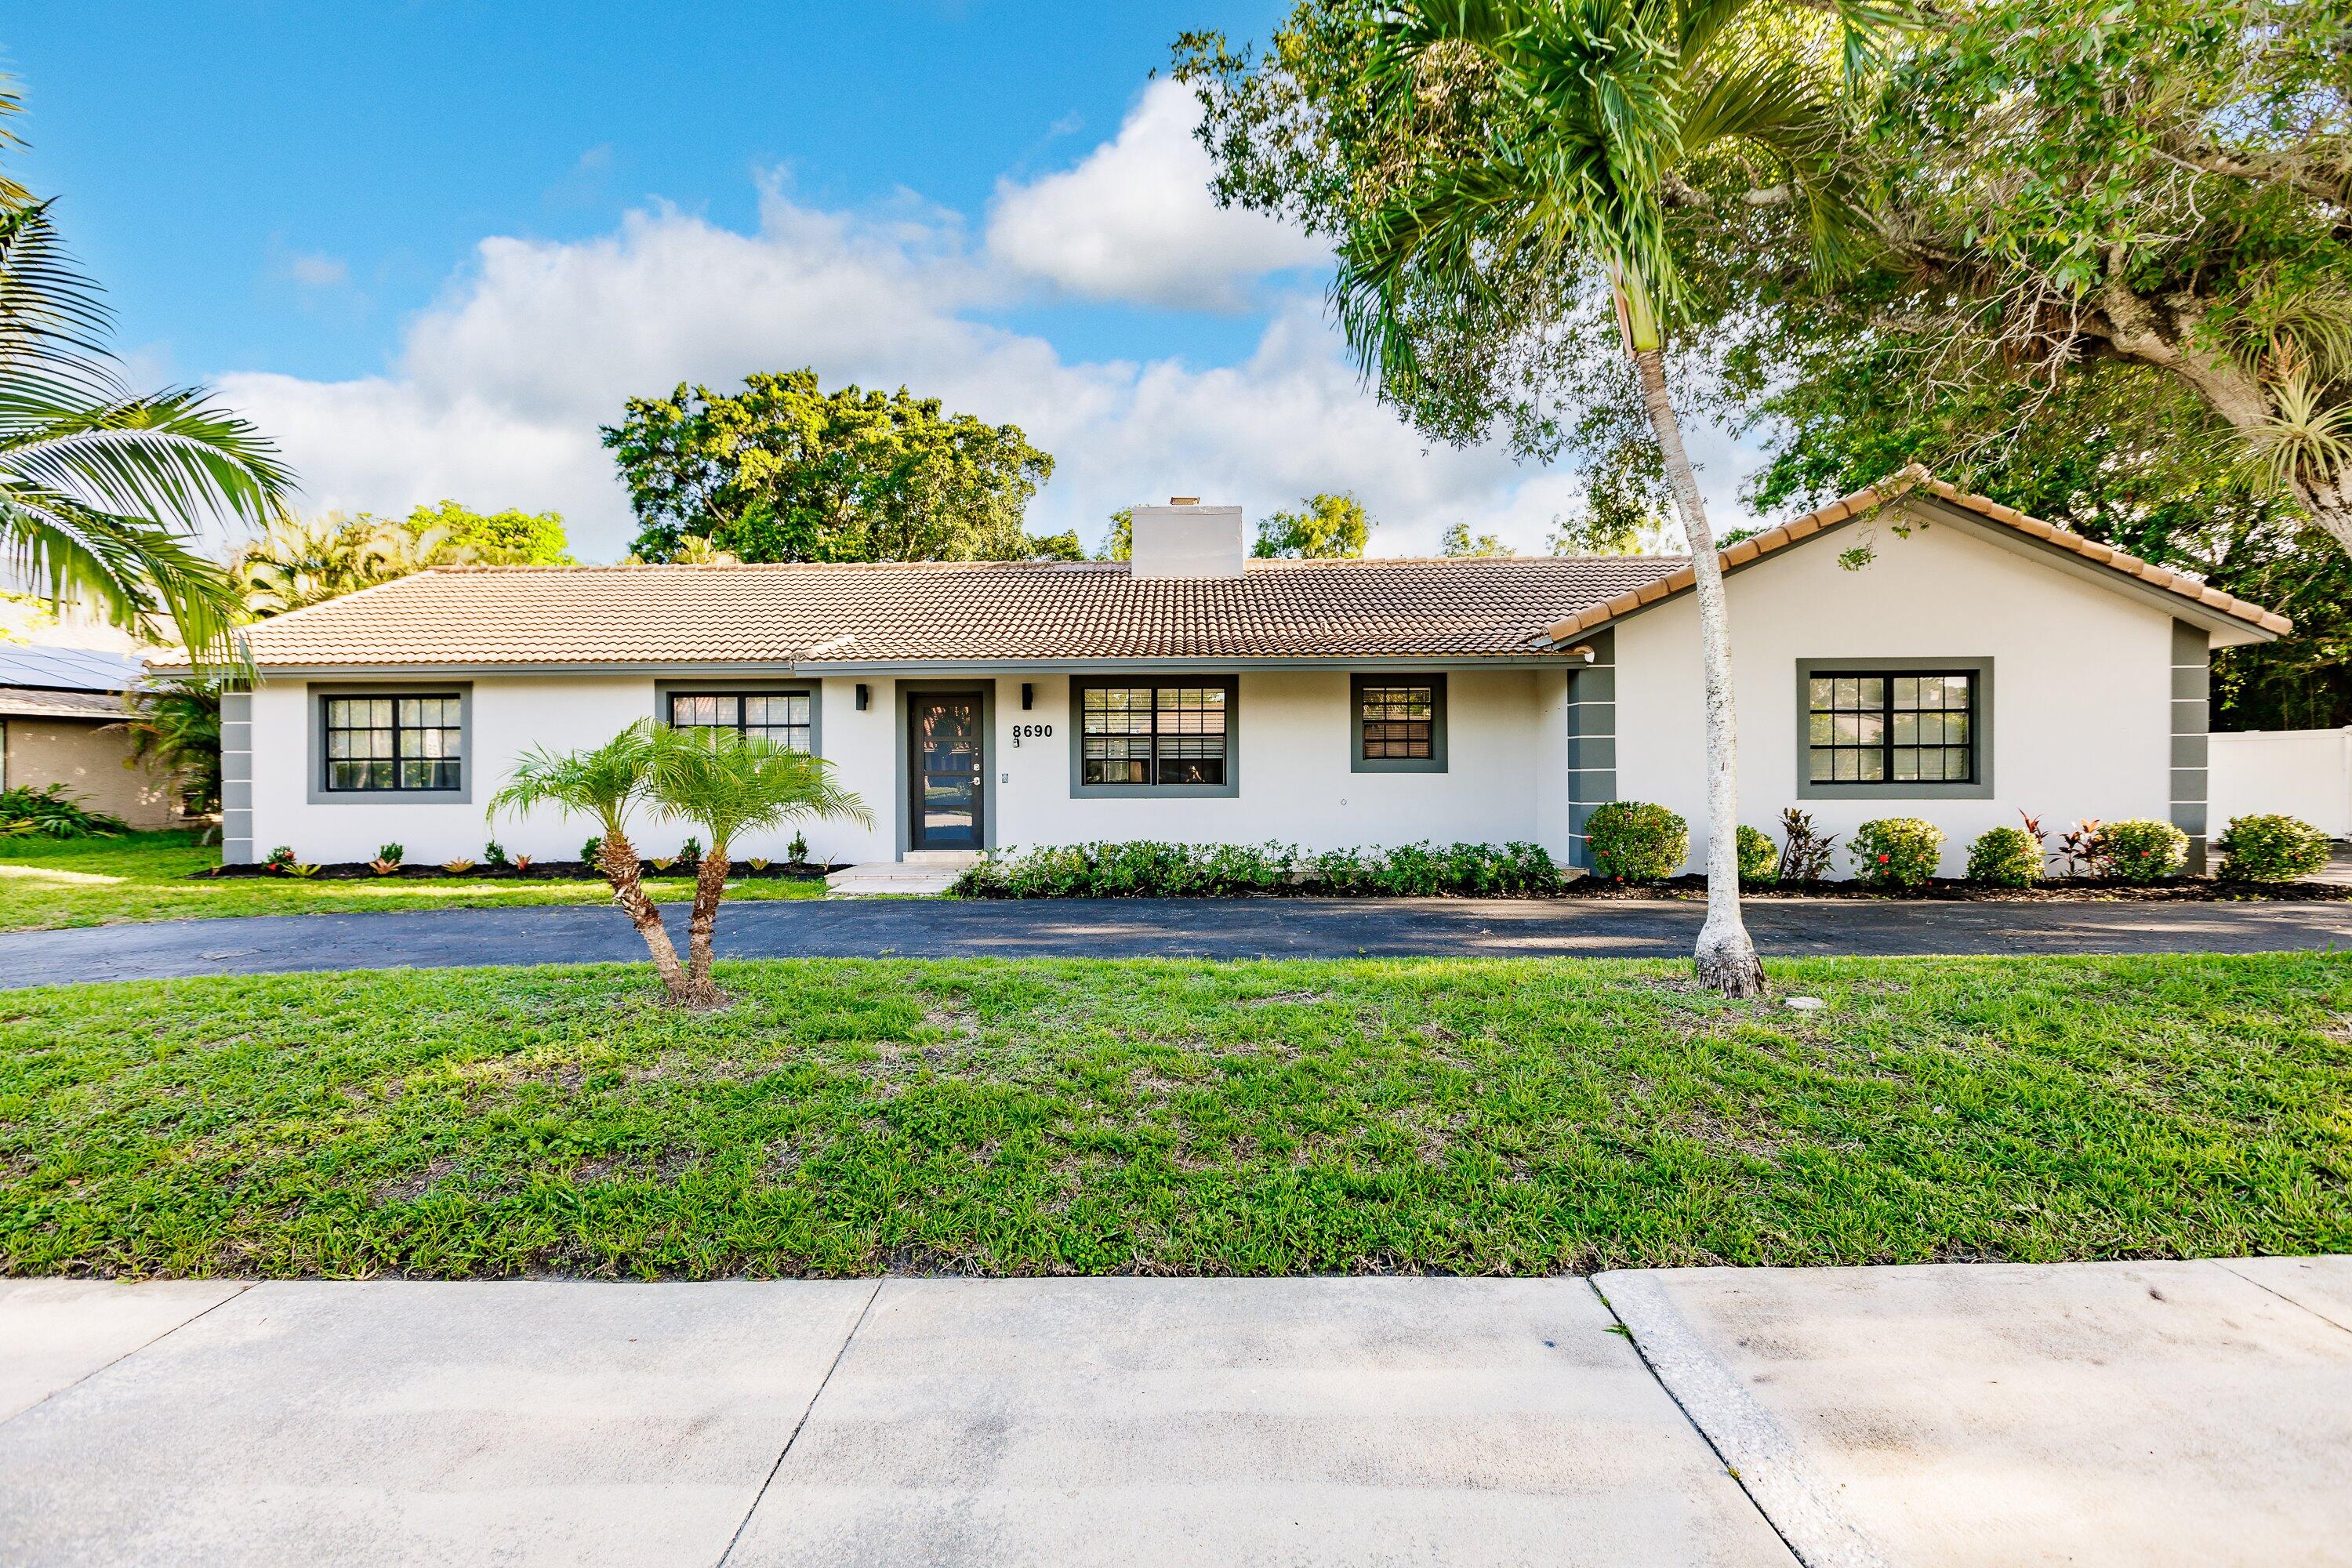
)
(1893, 728)
(787, 718)
(1178, 736)
(394, 743)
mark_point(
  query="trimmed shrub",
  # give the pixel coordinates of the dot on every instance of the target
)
(1148, 869)
(2271, 848)
(2005, 857)
(2139, 849)
(590, 850)
(1637, 841)
(51, 812)
(1897, 852)
(1760, 858)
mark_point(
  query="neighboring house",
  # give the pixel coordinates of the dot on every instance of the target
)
(1980, 664)
(60, 723)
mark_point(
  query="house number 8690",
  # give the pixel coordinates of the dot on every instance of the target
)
(1029, 733)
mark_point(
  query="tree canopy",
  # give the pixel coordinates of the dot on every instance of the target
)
(509, 538)
(784, 471)
(1324, 527)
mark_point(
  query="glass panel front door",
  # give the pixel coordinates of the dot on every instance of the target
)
(944, 774)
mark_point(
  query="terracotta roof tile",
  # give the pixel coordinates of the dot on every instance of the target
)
(816, 615)
(1917, 478)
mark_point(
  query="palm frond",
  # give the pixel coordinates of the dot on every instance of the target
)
(103, 493)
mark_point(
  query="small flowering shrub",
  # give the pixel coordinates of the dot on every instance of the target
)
(1760, 858)
(282, 861)
(1636, 841)
(2138, 850)
(2270, 848)
(1897, 852)
(2005, 857)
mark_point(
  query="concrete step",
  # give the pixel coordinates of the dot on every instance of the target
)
(901, 878)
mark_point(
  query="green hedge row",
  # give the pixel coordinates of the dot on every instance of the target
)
(1145, 869)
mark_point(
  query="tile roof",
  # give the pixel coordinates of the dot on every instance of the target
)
(813, 615)
(36, 702)
(1893, 486)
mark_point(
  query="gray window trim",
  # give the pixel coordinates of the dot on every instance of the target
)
(1358, 762)
(903, 743)
(1229, 789)
(783, 686)
(315, 697)
(1895, 789)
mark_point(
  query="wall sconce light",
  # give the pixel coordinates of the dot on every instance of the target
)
(1028, 696)
(863, 696)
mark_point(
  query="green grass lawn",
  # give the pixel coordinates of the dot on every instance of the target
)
(1176, 1117)
(46, 883)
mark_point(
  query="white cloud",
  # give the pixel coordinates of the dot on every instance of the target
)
(1134, 220)
(498, 389)
(315, 269)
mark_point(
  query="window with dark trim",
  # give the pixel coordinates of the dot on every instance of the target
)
(1398, 723)
(1145, 737)
(394, 742)
(1892, 728)
(786, 717)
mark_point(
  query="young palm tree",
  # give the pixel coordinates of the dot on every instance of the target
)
(607, 784)
(729, 785)
(1607, 111)
(103, 490)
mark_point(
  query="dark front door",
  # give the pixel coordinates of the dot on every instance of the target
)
(944, 772)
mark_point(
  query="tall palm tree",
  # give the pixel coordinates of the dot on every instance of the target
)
(299, 562)
(104, 491)
(1606, 113)
(729, 785)
(607, 784)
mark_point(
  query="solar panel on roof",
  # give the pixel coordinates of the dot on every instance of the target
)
(69, 669)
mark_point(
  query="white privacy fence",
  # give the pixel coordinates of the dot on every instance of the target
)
(2298, 773)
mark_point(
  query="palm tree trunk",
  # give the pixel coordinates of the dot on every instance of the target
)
(617, 858)
(709, 883)
(1725, 958)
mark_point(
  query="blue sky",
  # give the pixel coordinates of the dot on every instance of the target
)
(430, 246)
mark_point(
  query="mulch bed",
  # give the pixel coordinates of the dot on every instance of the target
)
(1958, 889)
(537, 871)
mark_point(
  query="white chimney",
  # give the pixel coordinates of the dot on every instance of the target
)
(1185, 539)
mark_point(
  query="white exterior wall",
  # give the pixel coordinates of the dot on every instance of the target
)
(1506, 751)
(2294, 772)
(2082, 683)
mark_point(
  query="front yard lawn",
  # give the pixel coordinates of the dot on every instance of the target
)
(47, 883)
(1176, 1117)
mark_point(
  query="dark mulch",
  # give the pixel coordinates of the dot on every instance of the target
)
(537, 871)
(2052, 890)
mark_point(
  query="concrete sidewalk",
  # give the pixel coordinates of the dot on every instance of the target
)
(1158, 928)
(2123, 1413)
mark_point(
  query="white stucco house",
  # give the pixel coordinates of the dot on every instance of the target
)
(1980, 664)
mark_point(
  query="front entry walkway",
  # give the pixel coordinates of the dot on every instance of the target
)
(1948, 1416)
(1156, 928)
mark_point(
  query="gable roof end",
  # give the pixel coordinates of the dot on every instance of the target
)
(1894, 486)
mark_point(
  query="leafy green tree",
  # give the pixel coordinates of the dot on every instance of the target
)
(729, 785)
(2159, 182)
(105, 491)
(1486, 169)
(509, 538)
(1458, 541)
(1324, 527)
(784, 471)
(1118, 541)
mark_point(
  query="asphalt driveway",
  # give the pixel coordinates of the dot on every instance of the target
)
(1145, 928)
